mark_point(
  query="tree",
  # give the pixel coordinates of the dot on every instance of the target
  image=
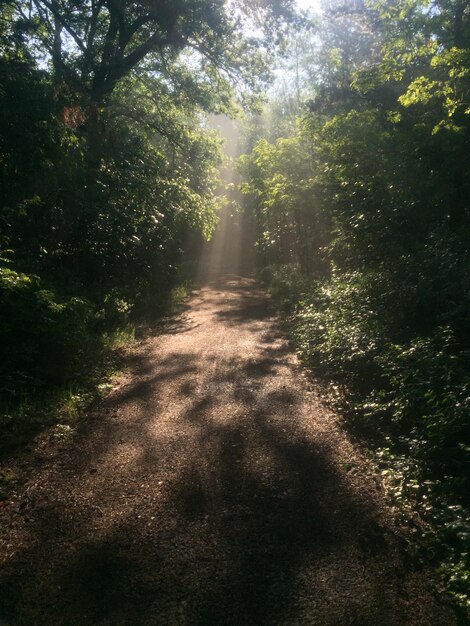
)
(106, 167)
(95, 43)
(383, 155)
(193, 46)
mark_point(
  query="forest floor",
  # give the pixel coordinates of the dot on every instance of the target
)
(212, 486)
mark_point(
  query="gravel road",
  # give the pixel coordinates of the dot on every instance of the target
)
(212, 486)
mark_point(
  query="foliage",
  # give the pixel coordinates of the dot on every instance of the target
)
(381, 305)
(282, 192)
(37, 330)
(108, 172)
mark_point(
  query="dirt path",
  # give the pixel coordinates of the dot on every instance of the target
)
(212, 488)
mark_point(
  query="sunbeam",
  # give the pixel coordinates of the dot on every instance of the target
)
(231, 248)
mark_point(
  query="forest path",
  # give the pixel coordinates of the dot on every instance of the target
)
(212, 487)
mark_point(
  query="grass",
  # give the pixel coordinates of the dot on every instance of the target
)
(60, 409)
(21, 419)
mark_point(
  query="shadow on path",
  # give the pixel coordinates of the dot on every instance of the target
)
(210, 490)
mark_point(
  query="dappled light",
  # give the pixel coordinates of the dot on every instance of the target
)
(211, 488)
(234, 313)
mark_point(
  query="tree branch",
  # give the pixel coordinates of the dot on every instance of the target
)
(53, 9)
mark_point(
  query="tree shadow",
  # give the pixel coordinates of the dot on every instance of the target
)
(235, 514)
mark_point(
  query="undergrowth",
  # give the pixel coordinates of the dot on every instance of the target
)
(405, 395)
(54, 388)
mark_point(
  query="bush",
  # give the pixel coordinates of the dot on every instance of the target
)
(416, 389)
(43, 337)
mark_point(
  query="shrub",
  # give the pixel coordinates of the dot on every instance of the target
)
(43, 337)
